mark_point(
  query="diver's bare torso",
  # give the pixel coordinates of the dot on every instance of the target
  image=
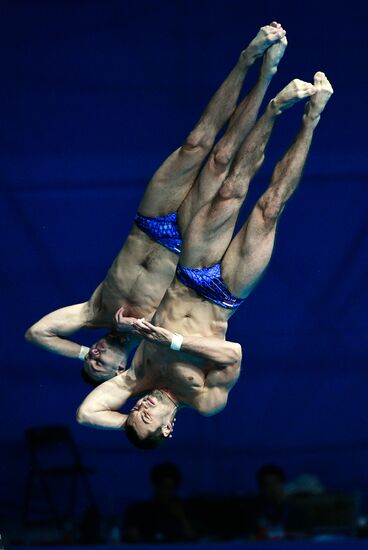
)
(186, 376)
(137, 280)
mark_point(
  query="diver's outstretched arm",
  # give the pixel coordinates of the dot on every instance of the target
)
(50, 331)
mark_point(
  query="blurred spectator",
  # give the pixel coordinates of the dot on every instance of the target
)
(282, 510)
(163, 518)
(269, 517)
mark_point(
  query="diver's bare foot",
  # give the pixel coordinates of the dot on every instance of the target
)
(273, 56)
(295, 91)
(266, 36)
(317, 103)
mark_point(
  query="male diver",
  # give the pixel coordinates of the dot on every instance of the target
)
(184, 358)
(145, 266)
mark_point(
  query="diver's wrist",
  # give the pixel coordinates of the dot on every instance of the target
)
(176, 342)
(83, 352)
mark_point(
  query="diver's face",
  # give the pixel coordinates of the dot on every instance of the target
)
(105, 359)
(151, 412)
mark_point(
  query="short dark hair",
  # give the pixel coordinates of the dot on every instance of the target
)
(270, 470)
(150, 442)
(88, 379)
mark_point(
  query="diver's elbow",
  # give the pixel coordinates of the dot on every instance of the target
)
(236, 354)
(82, 416)
(32, 334)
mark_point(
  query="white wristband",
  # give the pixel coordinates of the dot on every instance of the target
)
(176, 342)
(83, 352)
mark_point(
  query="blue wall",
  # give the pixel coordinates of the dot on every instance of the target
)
(94, 96)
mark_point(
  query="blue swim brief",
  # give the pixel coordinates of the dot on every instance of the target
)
(207, 282)
(161, 229)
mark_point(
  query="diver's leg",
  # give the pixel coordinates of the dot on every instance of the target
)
(250, 251)
(172, 181)
(210, 231)
(239, 126)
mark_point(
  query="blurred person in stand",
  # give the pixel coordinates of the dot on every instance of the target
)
(268, 516)
(164, 518)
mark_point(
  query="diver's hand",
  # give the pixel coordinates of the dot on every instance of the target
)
(152, 333)
(122, 323)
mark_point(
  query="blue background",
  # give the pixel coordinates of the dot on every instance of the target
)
(94, 96)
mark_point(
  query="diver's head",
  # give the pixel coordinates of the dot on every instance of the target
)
(106, 358)
(151, 420)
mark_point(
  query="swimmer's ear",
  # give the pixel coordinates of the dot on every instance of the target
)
(167, 429)
(121, 368)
